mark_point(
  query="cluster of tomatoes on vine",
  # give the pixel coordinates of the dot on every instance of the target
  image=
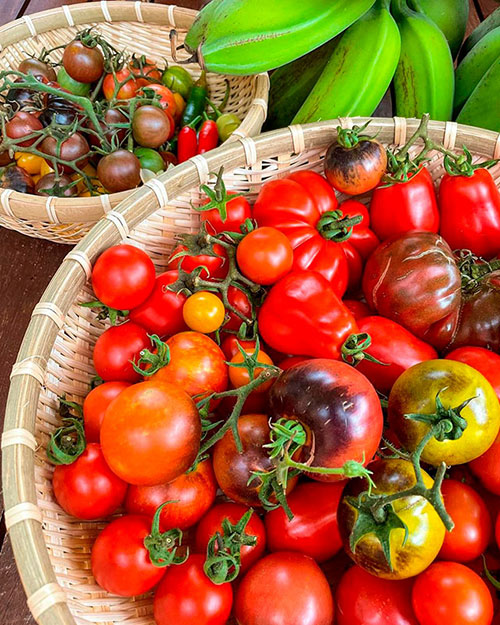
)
(101, 121)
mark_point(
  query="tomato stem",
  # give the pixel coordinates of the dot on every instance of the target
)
(68, 441)
(163, 547)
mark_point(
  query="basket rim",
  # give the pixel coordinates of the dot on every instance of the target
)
(54, 210)
(23, 517)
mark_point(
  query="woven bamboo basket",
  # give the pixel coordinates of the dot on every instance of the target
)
(137, 27)
(52, 550)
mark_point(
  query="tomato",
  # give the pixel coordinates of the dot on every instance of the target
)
(449, 592)
(150, 159)
(120, 561)
(345, 425)
(161, 312)
(487, 467)
(151, 433)
(230, 346)
(70, 85)
(405, 206)
(481, 359)
(152, 126)
(164, 96)
(291, 589)
(83, 63)
(116, 348)
(114, 134)
(239, 376)
(187, 597)
(95, 405)
(227, 123)
(238, 210)
(178, 79)
(358, 309)
(128, 88)
(363, 599)
(295, 205)
(239, 300)
(22, 125)
(87, 488)
(290, 361)
(233, 512)
(29, 162)
(191, 494)
(119, 171)
(17, 179)
(313, 529)
(35, 67)
(415, 392)
(123, 277)
(265, 255)
(214, 266)
(74, 148)
(425, 528)
(470, 212)
(58, 185)
(204, 312)
(472, 531)
(145, 70)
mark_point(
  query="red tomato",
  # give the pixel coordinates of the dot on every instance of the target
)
(448, 592)
(187, 597)
(123, 277)
(145, 68)
(472, 531)
(265, 255)
(238, 210)
(405, 206)
(240, 376)
(313, 529)
(87, 488)
(230, 346)
(166, 97)
(116, 348)
(161, 313)
(483, 360)
(191, 494)
(487, 467)
(22, 125)
(120, 561)
(470, 212)
(212, 523)
(358, 309)
(95, 405)
(215, 266)
(126, 91)
(239, 300)
(294, 205)
(151, 433)
(363, 599)
(291, 590)
(291, 361)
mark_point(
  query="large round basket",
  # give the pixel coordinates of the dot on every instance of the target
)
(52, 550)
(137, 27)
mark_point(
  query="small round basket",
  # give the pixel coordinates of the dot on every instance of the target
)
(52, 550)
(137, 27)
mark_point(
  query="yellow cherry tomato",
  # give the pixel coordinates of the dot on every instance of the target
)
(45, 168)
(29, 162)
(203, 312)
(35, 178)
(239, 376)
(180, 105)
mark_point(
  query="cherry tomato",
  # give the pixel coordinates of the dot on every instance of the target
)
(233, 512)
(239, 375)
(87, 488)
(83, 63)
(178, 79)
(448, 592)
(230, 346)
(127, 90)
(481, 359)
(59, 185)
(187, 597)
(265, 255)
(119, 171)
(487, 467)
(74, 148)
(152, 126)
(291, 589)
(239, 300)
(203, 312)
(191, 494)
(145, 70)
(22, 125)
(215, 266)
(116, 348)
(114, 135)
(71, 85)
(238, 210)
(35, 67)
(17, 179)
(166, 97)
(95, 405)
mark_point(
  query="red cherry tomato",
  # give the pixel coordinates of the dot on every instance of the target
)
(95, 405)
(145, 70)
(230, 346)
(116, 348)
(239, 300)
(215, 266)
(265, 255)
(22, 125)
(126, 91)
(238, 210)
(487, 467)
(166, 97)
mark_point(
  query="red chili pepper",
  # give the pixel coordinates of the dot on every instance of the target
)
(187, 144)
(208, 137)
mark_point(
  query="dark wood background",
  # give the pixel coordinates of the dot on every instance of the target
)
(26, 267)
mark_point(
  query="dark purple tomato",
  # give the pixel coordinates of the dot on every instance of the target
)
(22, 125)
(83, 63)
(35, 67)
(119, 171)
(17, 179)
(57, 186)
(113, 135)
(74, 148)
(152, 126)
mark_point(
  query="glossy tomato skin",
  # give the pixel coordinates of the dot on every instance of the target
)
(394, 346)
(240, 376)
(95, 405)
(405, 206)
(358, 309)
(313, 530)
(363, 599)
(449, 592)
(291, 589)
(425, 528)
(151, 433)
(415, 392)
(74, 148)
(152, 126)
(120, 561)
(239, 300)
(35, 67)
(238, 211)
(356, 169)
(123, 277)
(487, 467)
(337, 405)
(22, 125)
(119, 171)
(127, 90)
(116, 348)
(230, 345)
(204, 312)
(83, 63)
(470, 212)
(87, 488)
(483, 360)
(212, 523)
(111, 116)
(187, 597)
(362, 238)
(217, 266)
(472, 531)
(191, 494)
(265, 255)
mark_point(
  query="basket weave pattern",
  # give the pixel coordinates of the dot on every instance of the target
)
(51, 548)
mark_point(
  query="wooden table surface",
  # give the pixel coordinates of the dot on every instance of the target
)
(26, 267)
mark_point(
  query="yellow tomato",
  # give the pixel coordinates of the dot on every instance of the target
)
(45, 168)
(203, 312)
(29, 162)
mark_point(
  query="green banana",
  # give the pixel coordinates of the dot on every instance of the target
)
(449, 15)
(483, 107)
(491, 22)
(475, 65)
(359, 71)
(424, 79)
(293, 82)
(251, 36)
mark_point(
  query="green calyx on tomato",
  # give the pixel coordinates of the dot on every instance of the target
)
(68, 442)
(105, 312)
(218, 196)
(178, 79)
(461, 165)
(334, 226)
(163, 546)
(350, 137)
(354, 349)
(149, 362)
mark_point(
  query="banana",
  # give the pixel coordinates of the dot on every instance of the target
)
(483, 107)
(491, 22)
(475, 65)
(251, 36)
(359, 71)
(424, 79)
(449, 15)
(293, 82)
